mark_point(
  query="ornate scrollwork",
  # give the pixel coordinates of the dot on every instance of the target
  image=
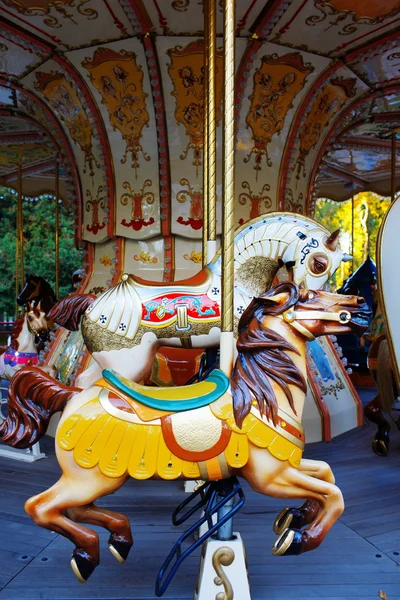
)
(223, 557)
(137, 200)
(93, 204)
(58, 5)
(256, 201)
(180, 5)
(329, 9)
(291, 205)
(195, 198)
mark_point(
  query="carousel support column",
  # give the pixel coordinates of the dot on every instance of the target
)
(393, 170)
(205, 143)
(228, 191)
(57, 230)
(19, 242)
(223, 571)
(352, 232)
(211, 140)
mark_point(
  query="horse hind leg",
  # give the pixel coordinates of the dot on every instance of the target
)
(120, 541)
(76, 488)
(47, 510)
(305, 514)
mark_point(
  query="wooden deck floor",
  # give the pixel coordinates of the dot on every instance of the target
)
(359, 559)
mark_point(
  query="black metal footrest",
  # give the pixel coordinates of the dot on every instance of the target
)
(226, 489)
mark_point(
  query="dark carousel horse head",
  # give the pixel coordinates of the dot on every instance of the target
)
(37, 289)
(362, 283)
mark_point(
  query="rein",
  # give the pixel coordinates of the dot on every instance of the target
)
(292, 316)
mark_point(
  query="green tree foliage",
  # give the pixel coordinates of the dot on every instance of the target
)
(368, 212)
(39, 244)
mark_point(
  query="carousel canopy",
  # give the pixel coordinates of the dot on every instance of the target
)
(115, 90)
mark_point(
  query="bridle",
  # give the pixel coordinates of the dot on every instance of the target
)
(30, 328)
(292, 317)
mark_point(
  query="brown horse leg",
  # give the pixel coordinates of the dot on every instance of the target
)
(307, 512)
(80, 488)
(121, 540)
(295, 541)
(373, 412)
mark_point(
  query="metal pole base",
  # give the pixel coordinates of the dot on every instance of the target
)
(223, 570)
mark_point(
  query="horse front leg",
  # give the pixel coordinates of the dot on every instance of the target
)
(296, 541)
(307, 512)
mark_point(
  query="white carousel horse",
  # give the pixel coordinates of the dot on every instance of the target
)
(22, 350)
(186, 313)
(252, 429)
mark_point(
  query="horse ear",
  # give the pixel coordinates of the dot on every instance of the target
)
(38, 305)
(276, 300)
(332, 241)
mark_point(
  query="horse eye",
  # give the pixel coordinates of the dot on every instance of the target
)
(311, 296)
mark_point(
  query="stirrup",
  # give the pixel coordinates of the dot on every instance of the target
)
(228, 489)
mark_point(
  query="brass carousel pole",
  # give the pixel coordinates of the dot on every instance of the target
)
(57, 227)
(211, 130)
(19, 242)
(205, 133)
(228, 190)
(393, 173)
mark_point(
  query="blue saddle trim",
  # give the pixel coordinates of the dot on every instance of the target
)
(217, 377)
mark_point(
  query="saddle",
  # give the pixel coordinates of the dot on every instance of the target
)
(200, 280)
(151, 403)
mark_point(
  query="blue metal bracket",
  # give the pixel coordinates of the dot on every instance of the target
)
(226, 489)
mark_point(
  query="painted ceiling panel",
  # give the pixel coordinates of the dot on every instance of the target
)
(118, 78)
(67, 24)
(16, 60)
(337, 26)
(277, 82)
(383, 67)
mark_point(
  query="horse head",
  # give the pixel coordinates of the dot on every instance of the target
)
(315, 313)
(37, 289)
(36, 321)
(314, 256)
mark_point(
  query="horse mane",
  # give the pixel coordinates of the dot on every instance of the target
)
(68, 311)
(16, 330)
(262, 358)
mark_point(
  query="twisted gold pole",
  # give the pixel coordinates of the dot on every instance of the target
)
(20, 223)
(393, 168)
(205, 138)
(57, 230)
(228, 189)
(211, 118)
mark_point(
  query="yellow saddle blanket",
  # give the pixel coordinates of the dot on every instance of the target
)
(201, 444)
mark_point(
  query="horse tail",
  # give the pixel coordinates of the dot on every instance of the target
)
(385, 377)
(33, 397)
(68, 311)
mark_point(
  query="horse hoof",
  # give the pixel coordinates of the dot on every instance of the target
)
(81, 566)
(285, 519)
(119, 548)
(380, 447)
(289, 542)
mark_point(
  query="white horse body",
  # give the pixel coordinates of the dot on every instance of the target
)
(153, 314)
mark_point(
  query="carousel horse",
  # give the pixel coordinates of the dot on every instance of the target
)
(37, 289)
(22, 350)
(249, 426)
(380, 367)
(147, 315)
(361, 283)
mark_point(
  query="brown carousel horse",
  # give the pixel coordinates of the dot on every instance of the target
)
(22, 350)
(210, 430)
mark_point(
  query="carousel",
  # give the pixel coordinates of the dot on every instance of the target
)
(198, 348)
